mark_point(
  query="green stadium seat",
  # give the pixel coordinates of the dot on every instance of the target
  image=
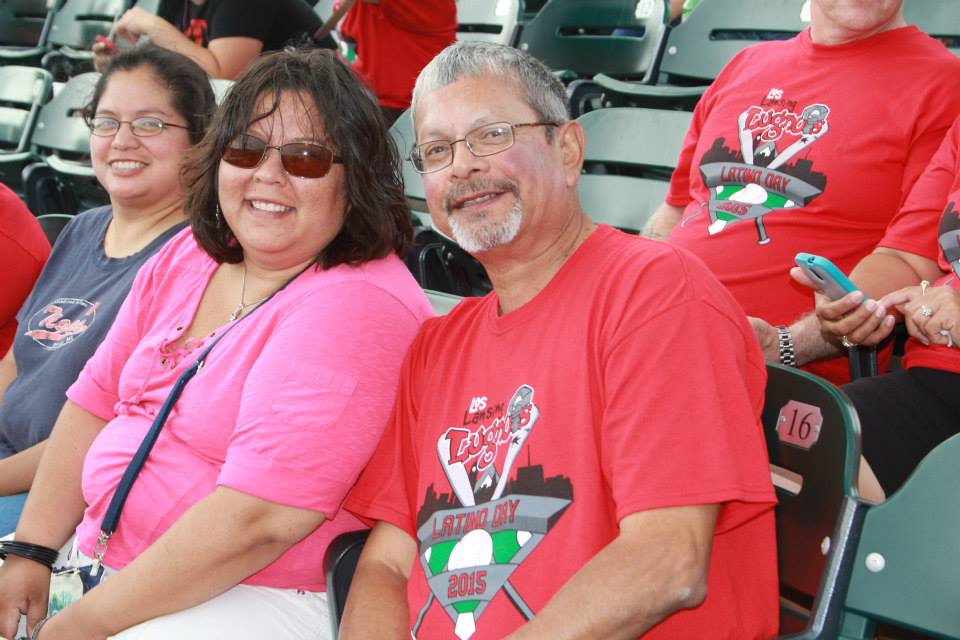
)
(908, 558)
(220, 87)
(62, 139)
(489, 20)
(630, 156)
(404, 137)
(694, 52)
(442, 302)
(65, 47)
(616, 37)
(52, 224)
(22, 22)
(75, 27)
(23, 91)
(813, 439)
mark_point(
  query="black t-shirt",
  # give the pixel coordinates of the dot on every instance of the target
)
(276, 23)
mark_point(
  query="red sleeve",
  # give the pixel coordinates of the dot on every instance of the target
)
(913, 229)
(421, 16)
(930, 127)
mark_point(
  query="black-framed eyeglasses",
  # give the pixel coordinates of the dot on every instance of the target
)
(300, 159)
(486, 140)
(140, 127)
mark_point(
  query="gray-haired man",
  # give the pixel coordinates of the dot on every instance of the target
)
(544, 474)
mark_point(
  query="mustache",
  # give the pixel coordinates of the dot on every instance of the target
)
(461, 189)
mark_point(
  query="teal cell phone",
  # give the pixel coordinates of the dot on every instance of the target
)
(825, 275)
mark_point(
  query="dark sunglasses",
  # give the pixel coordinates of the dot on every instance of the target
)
(301, 159)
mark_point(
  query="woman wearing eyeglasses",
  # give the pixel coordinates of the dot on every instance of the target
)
(149, 107)
(289, 282)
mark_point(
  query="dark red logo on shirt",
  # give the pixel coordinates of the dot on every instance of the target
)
(197, 31)
(61, 322)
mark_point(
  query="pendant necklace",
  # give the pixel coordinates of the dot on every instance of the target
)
(243, 306)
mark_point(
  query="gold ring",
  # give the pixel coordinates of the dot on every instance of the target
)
(923, 287)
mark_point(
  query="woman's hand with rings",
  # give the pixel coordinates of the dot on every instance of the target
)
(931, 313)
(849, 320)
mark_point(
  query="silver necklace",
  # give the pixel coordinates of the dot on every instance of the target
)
(243, 306)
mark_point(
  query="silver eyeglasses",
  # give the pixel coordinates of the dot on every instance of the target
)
(140, 127)
(485, 140)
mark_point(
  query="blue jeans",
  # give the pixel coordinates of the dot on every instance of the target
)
(10, 508)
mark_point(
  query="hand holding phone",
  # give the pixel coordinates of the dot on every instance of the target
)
(826, 276)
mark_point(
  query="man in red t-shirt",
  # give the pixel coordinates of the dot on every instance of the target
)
(566, 453)
(395, 39)
(808, 145)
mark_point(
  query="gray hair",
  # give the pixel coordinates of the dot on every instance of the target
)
(539, 87)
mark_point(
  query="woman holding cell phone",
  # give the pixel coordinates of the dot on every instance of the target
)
(905, 414)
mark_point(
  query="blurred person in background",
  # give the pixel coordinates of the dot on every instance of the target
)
(222, 36)
(394, 40)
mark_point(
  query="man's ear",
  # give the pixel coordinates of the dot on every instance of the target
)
(572, 145)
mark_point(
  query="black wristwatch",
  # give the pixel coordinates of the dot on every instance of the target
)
(788, 356)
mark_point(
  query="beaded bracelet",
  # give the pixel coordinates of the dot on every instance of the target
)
(38, 553)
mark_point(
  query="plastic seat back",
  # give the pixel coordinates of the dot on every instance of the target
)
(693, 53)
(23, 90)
(630, 156)
(907, 563)
(62, 139)
(442, 302)
(340, 562)
(220, 87)
(78, 22)
(52, 224)
(60, 128)
(21, 22)
(616, 37)
(813, 439)
(489, 20)
(404, 137)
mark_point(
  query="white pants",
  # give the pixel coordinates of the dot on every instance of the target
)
(243, 613)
